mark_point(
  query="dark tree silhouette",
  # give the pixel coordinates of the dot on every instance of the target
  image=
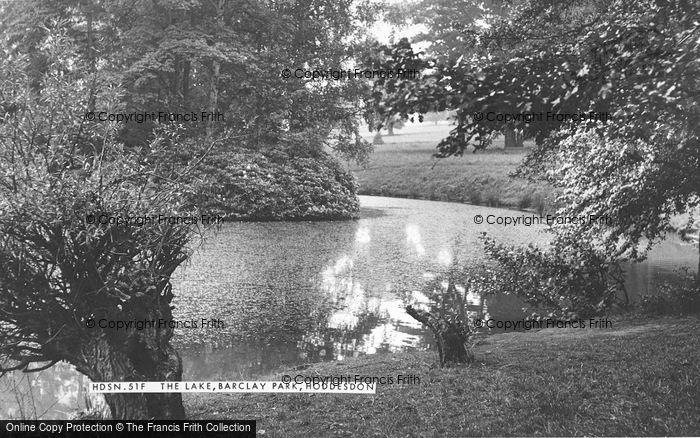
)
(76, 249)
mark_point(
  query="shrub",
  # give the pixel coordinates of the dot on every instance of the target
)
(450, 315)
(677, 296)
(474, 197)
(492, 198)
(568, 280)
(525, 200)
(274, 185)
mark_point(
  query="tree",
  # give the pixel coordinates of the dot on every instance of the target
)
(182, 57)
(81, 243)
(631, 61)
(227, 57)
(452, 310)
(394, 124)
(199, 56)
(453, 27)
(632, 174)
(627, 157)
(395, 61)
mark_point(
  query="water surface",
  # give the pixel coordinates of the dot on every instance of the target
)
(290, 293)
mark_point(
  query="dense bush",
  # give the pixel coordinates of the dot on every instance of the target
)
(673, 297)
(568, 280)
(275, 184)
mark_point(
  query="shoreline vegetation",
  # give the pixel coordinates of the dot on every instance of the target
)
(641, 377)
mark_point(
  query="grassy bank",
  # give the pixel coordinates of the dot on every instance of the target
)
(404, 167)
(640, 377)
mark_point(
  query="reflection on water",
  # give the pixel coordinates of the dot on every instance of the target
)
(661, 263)
(293, 293)
(52, 394)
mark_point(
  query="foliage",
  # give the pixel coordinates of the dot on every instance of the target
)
(456, 297)
(673, 297)
(296, 183)
(451, 24)
(60, 267)
(389, 93)
(626, 190)
(565, 281)
(194, 57)
(617, 57)
(635, 61)
(569, 280)
(201, 55)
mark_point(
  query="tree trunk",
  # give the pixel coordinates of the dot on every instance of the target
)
(138, 355)
(91, 60)
(378, 138)
(454, 349)
(450, 338)
(216, 70)
(186, 81)
(109, 363)
(513, 138)
(390, 128)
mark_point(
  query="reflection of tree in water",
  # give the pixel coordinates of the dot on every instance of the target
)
(53, 394)
(335, 343)
(262, 334)
(261, 314)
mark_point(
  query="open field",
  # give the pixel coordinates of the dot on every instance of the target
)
(404, 167)
(640, 377)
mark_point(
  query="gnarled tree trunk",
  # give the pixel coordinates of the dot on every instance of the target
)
(137, 355)
(451, 339)
(111, 365)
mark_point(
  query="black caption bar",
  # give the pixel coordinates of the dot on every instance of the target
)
(125, 428)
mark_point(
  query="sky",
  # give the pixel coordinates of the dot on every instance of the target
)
(382, 30)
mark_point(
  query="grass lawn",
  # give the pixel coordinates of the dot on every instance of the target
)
(404, 167)
(640, 377)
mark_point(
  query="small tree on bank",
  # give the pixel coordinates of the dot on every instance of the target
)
(457, 299)
(63, 273)
(451, 336)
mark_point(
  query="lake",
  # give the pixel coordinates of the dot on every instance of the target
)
(281, 294)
